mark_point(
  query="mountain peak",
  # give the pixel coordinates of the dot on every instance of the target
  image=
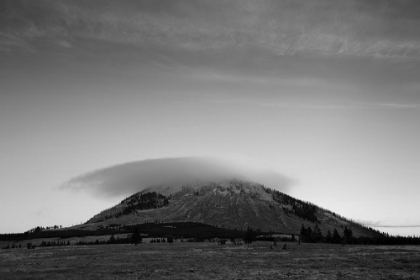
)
(221, 187)
(226, 203)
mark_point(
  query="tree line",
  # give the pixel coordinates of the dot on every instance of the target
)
(201, 232)
(315, 236)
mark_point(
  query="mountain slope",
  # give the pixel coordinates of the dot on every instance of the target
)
(229, 204)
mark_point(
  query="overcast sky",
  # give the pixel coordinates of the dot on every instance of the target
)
(325, 93)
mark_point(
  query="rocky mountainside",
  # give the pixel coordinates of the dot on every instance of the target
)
(230, 204)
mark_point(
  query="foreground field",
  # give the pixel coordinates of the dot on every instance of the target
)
(212, 261)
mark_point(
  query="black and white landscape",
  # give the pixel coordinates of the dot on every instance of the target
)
(157, 139)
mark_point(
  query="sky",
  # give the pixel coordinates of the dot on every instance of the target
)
(324, 93)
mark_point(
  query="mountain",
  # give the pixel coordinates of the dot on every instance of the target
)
(229, 204)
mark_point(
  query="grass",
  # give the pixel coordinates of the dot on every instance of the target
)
(212, 261)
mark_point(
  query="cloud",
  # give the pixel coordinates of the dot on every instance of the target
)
(341, 106)
(386, 224)
(261, 79)
(63, 43)
(397, 226)
(129, 178)
(10, 42)
(399, 106)
(287, 105)
(340, 28)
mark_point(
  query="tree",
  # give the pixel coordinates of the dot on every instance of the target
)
(302, 233)
(317, 234)
(336, 238)
(136, 237)
(302, 230)
(328, 238)
(309, 235)
(348, 235)
(249, 236)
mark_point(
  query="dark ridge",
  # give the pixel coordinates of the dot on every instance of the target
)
(143, 201)
(302, 209)
(129, 205)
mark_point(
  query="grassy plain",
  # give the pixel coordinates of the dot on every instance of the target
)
(212, 261)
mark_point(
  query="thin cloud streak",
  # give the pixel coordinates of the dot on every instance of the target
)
(389, 106)
(399, 106)
(392, 226)
(9, 42)
(313, 106)
(386, 224)
(214, 75)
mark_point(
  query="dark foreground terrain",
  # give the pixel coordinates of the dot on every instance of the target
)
(212, 261)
